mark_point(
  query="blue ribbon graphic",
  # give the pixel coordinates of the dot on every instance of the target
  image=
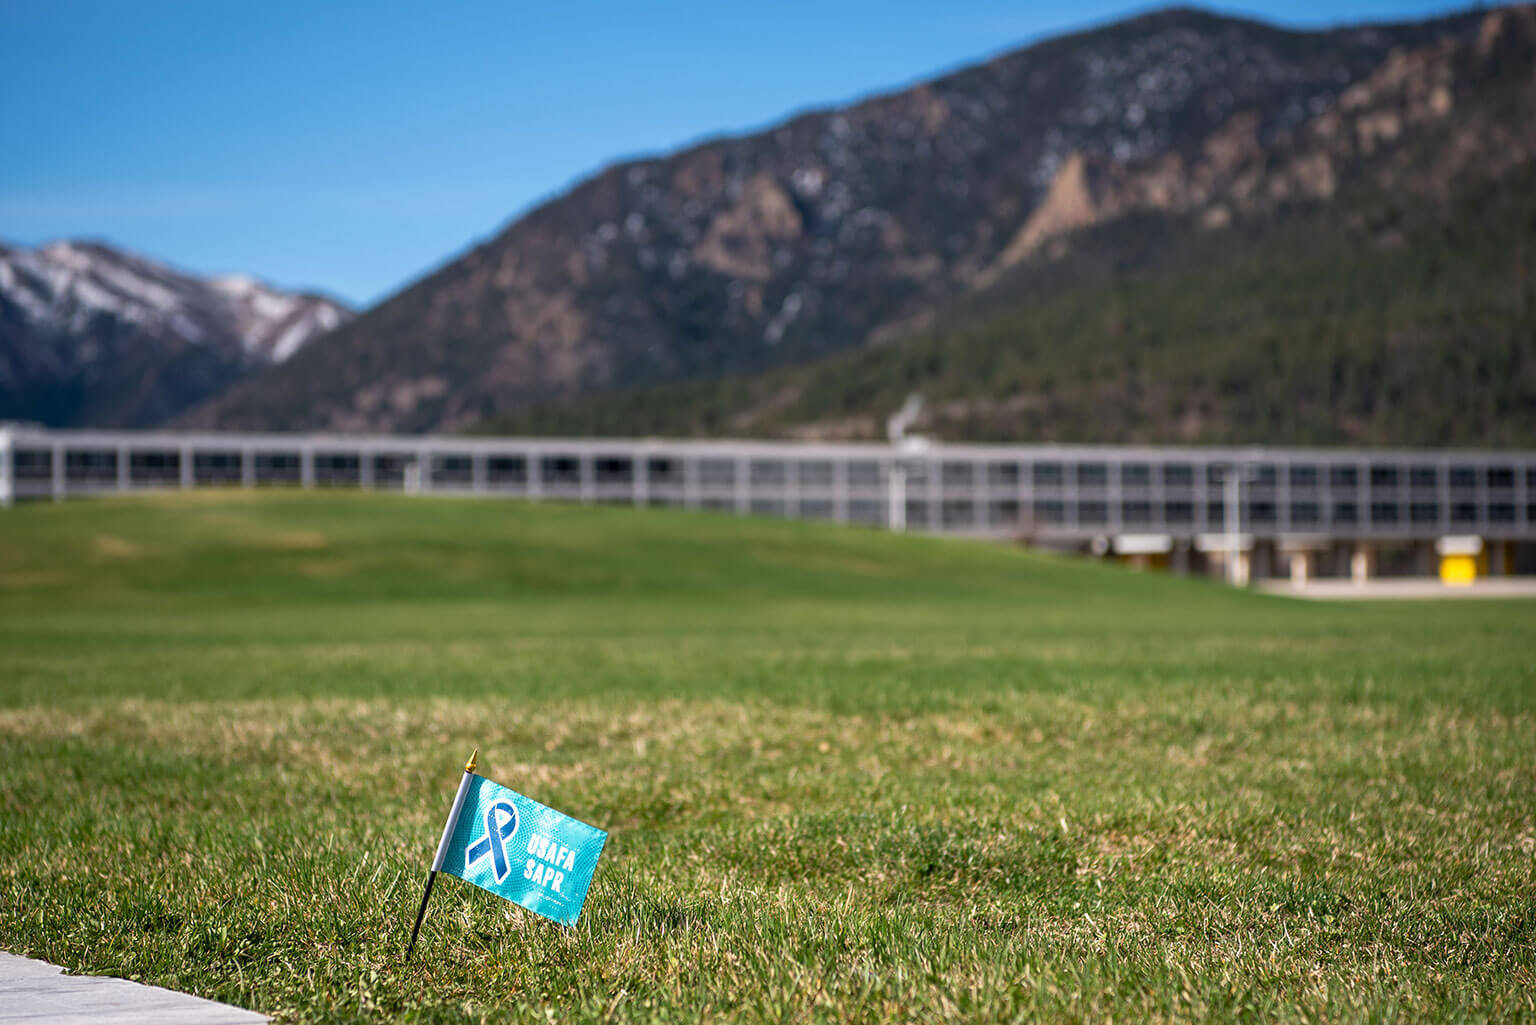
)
(493, 843)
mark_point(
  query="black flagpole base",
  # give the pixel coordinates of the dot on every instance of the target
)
(420, 914)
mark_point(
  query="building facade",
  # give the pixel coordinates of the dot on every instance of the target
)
(1258, 509)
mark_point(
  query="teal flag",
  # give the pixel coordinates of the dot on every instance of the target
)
(522, 850)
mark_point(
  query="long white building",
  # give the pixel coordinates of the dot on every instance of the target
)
(1336, 510)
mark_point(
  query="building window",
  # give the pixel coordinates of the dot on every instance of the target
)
(1303, 476)
(1342, 478)
(958, 513)
(1003, 475)
(1383, 512)
(154, 466)
(32, 463)
(816, 509)
(277, 467)
(1423, 477)
(613, 470)
(1463, 512)
(1135, 475)
(1092, 475)
(1345, 512)
(956, 475)
(1423, 512)
(1263, 475)
(1179, 512)
(767, 473)
(1050, 512)
(90, 464)
(863, 510)
(1004, 512)
(1304, 512)
(816, 474)
(1178, 475)
(717, 473)
(559, 470)
(1048, 475)
(1383, 476)
(216, 467)
(1092, 512)
(1262, 512)
(863, 474)
(1136, 513)
(1216, 513)
(1463, 477)
(336, 468)
(498, 469)
(1501, 477)
(1501, 512)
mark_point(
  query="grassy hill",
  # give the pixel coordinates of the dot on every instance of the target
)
(849, 776)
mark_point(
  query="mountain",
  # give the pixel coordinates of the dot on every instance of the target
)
(91, 335)
(1366, 276)
(856, 226)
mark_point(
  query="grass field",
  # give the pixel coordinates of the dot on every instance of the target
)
(848, 777)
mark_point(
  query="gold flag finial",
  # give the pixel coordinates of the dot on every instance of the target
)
(469, 766)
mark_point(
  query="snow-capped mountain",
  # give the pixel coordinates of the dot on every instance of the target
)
(93, 335)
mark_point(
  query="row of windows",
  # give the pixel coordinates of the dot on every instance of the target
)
(961, 513)
(93, 464)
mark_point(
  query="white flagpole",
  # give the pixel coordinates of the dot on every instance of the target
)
(442, 846)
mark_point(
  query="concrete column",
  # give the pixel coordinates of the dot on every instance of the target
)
(1026, 492)
(365, 469)
(1114, 524)
(1178, 558)
(690, 481)
(640, 479)
(743, 492)
(586, 473)
(247, 468)
(124, 471)
(184, 465)
(477, 472)
(897, 483)
(1424, 558)
(56, 468)
(840, 490)
(306, 467)
(1360, 564)
(1299, 569)
(535, 464)
(790, 496)
(935, 494)
(7, 470)
(981, 494)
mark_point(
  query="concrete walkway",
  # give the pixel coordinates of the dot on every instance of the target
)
(39, 993)
(1403, 587)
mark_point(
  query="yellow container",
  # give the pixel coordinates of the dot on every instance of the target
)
(1458, 570)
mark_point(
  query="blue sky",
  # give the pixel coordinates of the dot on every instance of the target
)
(353, 147)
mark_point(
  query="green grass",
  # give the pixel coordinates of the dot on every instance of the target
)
(848, 777)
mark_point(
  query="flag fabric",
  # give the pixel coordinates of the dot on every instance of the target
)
(522, 850)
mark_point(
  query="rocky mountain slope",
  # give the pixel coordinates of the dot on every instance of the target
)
(859, 226)
(1367, 276)
(93, 335)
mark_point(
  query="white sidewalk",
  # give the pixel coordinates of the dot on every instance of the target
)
(1403, 587)
(39, 993)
